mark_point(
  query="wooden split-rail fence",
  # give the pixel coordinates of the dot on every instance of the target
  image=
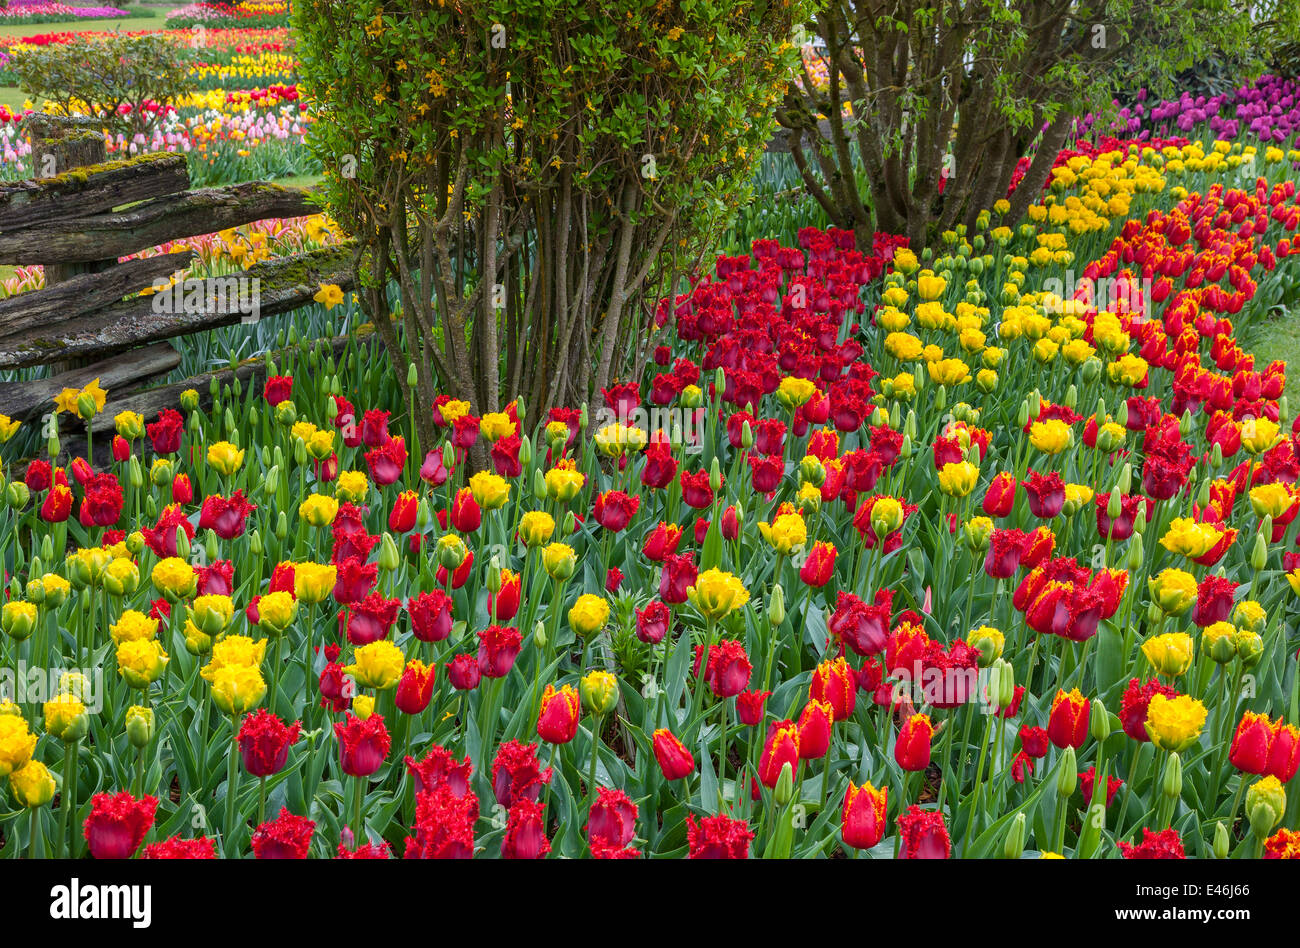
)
(91, 319)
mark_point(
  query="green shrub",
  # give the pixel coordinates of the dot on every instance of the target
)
(963, 89)
(102, 75)
(530, 171)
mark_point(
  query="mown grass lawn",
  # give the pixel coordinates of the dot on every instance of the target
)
(145, 18)
(1278, 338)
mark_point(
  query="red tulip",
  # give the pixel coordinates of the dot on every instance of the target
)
(278, 388)
(924, 834)
(611, 820)
(557, 722)
(749, 707)
(912, 749)
(402, 517)
(819, 566)
(516, 774)
(264, 743)
(717, 837)
(463, 672)
(286, 837)
(781, 748)
(673, 757)
(58, 504)
(1067, 726)
(430, 614)
(363, 745)
(117, 824)
(525, 836)
(862, 819)
(415, 687)
(835, 683)
(815, 730)
(615, 509)
(498, 648)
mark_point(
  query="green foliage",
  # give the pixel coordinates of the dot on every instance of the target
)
(964, 88)
(106, 76)
(535, 167)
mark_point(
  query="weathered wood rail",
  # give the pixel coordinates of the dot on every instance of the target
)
(95, 317)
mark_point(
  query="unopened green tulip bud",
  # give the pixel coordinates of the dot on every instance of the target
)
(1068, 776)
(1222, 842)
(525, 452)
(776, 606)
(895, 416)
(584, 417)
(1171, 784)
(539, 484)
(1114, 507)
(1250, 648)
(599, 692)
(746, 436)
(715, 474)
(941, 398)
(909, 426)
(255, 543)
(281, 527)
(299, 451)
(570, 523)
(1203, 493)
(139, 726)
(1216, 455)
(784, 791)
(1259, 552)
(1022, 414)
(494, 575)
(212, 545)
(1265, 805)
(17, 494)
(412, 375)
(182, 545)
(151, 506)
(1013, 844)
(1121, 415)
(1135, 552)
(1091, 369)
(1006, 695)
(539, 634)
(271, 481)
(1072, 397)
(52, 446)
(1283, 410)
(18, 618)
(86, 407)
(1098, 721)
(423, 515)
(389, 557)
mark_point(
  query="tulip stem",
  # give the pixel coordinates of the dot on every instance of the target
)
(36, 845)
(232, 775)
(722, 753)
(595, 753)
(979, 786)
(67, 798)
(1236, 801)
(261, 801)
(358, 823)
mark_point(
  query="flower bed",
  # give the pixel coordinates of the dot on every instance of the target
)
(967, 552)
